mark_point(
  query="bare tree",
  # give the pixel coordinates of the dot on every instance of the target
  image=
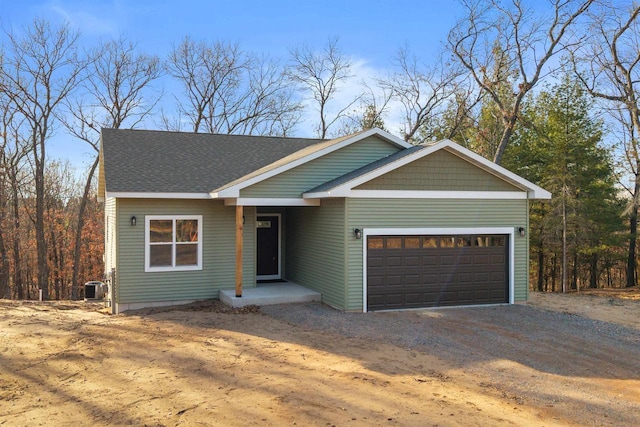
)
(321, 74)
(42, 68)
(609, 67)
(369, 113)
(422, 92)
(13, 151)
(116, 92)
(526, 43)
(226, 90)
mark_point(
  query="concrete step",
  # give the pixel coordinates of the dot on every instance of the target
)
(269, 294)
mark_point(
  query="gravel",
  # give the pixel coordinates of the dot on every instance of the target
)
(551, 358)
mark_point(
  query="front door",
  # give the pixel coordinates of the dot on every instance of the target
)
(268, 247)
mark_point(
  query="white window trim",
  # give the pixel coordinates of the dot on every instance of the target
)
(147, 243)
(510, 231)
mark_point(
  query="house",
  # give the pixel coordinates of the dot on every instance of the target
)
(367, 220)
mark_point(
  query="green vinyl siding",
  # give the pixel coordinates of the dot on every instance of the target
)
(439, 171)
(296, 181)
(218, 252)
(433, 213)
(316, 249)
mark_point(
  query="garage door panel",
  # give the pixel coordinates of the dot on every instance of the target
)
(466, 296)
(497, 276)
(448, 259)
(412, 279)
(412, 261)
(466, 259)
(428, 271)
(466, 277)
(481, 259)
(430, 260)
(497, 259)
(375, 261)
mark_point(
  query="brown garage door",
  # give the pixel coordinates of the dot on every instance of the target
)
(432, 271)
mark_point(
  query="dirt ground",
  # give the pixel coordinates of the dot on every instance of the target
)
(73, 364)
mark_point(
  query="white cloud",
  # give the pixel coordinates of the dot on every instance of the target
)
(93, 23)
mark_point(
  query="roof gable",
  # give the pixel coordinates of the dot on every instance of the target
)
(233, 189)
(345, 185)
(439, 171)
(293, 182)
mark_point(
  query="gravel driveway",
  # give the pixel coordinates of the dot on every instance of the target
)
(586, 370)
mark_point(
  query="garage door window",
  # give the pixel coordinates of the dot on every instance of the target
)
(375, 243)
(429, 242)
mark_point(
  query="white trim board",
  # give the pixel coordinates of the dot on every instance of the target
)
(147, 195)
(510, 231)
(428, 194)
(147, 243)
(265, 201)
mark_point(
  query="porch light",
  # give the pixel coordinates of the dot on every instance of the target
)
(358, 233)
(133, 221)
(521, 231)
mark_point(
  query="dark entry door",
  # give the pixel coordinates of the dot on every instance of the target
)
(268, 247)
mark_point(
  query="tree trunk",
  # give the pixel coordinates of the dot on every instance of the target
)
(41, 243)
(504, 140)
(78, 243)
(4, 268)
(18, 279)
(540, 267)
(554, 272)
(633, 234)
(574, 272)
(4, 262)
(593, 278)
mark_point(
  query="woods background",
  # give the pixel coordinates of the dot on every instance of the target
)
(550, 93)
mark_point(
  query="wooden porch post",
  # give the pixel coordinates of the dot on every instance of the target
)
(239, 228)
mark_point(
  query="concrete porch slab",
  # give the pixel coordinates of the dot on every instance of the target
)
(269, 294)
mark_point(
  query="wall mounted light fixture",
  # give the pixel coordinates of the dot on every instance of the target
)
(133, 221)
(521, 231)
(358, 233)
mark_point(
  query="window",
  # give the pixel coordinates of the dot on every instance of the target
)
(173, 243)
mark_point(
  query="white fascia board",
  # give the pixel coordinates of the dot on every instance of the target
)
(251, 201)
(234, 191)
(135, 195)
(429, 194)
(419, 194)
(386, 136)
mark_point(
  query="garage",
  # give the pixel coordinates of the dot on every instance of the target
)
(414, 271)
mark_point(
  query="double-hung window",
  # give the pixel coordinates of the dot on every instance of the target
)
(173, 243)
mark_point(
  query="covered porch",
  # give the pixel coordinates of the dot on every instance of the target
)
(269, 234)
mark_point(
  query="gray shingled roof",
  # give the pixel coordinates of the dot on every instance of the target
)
(144, 161)
(329, 185)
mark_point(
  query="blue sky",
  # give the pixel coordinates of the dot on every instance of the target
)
(369, 31)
